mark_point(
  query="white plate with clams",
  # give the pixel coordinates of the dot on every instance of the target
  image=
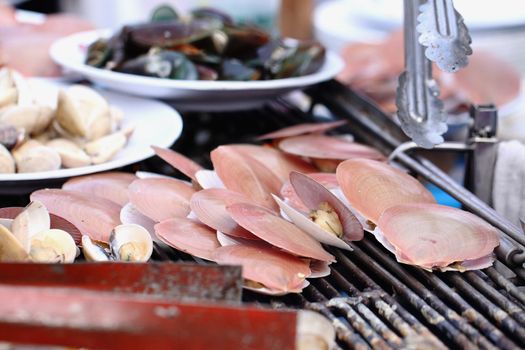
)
(201, 95)
(142, 122)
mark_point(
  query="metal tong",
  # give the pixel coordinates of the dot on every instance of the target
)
(434, 32)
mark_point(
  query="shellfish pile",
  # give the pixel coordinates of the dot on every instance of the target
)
(82, 129)
(271, 210)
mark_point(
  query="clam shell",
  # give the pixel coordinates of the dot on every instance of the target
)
(10, 248)
(95, 251)
(93, 216)
(274, 269)
(182, 163)
(53, 246)
(327, 147)
(9, 213)
(328, 180)
(147, 175)
(432, 235)
(131, 242)
(33, 219)
(210, 208)
(312, 194)
(208, 179)
(106, 147)
(34, 157)
(188, 236)
(319, 269)
(161, 199)
(71, 154)
(245, 175)
(314, 331)
(112, 186)
(269, 227)
(300, 129)
(281, 164)
(130, 215)
(372, 187)
(312, 229)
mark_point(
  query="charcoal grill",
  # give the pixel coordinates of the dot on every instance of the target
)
(373, 301)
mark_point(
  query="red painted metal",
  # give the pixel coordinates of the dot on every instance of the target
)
(32, 315)
(184, 281)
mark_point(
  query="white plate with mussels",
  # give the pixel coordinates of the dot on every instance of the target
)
(70, 53)
(143, 123)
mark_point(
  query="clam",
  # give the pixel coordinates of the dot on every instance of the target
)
(161, 199)
(209, 205)
(327, 151)
(34, 119)
(189, 236)
(131, 242)
(32, 156)
(95, 251)
(53, 246)
(271, 228)
(328, 180)
(111, 185)
(71, 154)
(281, 164)
(269, 268)
(7, 162)
(314, 331)
(8, 90)
(92, 215)
(33, 219)
(245, 175)
(82, 112)
(10, 248)
(319, 268)
(10, 136)
(106, 147)
(183, 164)
(435, 236)
(300, 129)
(372, 187)
(326, 210)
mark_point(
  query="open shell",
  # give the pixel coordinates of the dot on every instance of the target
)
(93, 216)
(277, 231)
(372, 187)
(95, 251)
(300, 129)
(314, 331)
(441, 236)
(53, 246)
(327, 147)
(183, 164)
(32, 220)
(314, 194)
(210, 208)
(281, 164)
(111, 185)
(106, 147)
(10, 248)
(208, 179)
(161, 199)
(130, 215)
(245, 175)
(273, 269)
(328, 180)
(311, 228)
(188, 236)
(131, 242)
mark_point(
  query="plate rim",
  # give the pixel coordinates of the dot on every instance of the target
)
(332, 66)
(178, 125)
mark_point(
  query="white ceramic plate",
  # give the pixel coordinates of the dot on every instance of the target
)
(70, 53)
(155, 124)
